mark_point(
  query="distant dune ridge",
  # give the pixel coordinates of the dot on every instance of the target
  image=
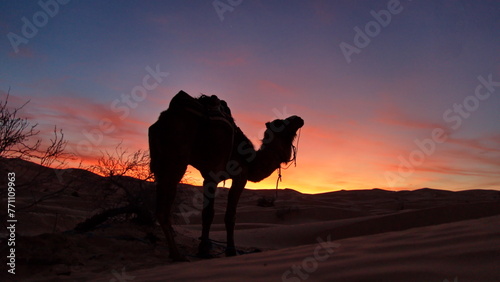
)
(361, 235)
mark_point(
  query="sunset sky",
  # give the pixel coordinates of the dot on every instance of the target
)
(395, 95)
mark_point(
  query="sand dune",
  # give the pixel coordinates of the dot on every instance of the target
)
(466, 250)
(374, 235)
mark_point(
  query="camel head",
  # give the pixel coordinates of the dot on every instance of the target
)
(280, 133)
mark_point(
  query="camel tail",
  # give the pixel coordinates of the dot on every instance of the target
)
(154, 147)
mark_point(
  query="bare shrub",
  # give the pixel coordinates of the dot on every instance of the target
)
(126, 193)
(19, 139)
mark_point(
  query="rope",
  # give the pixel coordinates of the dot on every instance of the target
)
(295, 150)
(278, 181)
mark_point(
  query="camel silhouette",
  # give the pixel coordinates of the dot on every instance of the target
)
(201, 132)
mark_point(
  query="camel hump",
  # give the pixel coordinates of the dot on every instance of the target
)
(184, 100)
(215, 106)
(208, 106)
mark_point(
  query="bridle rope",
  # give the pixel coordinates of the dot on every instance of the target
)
(295, 150)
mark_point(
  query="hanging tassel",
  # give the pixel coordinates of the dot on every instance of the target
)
(278, 181)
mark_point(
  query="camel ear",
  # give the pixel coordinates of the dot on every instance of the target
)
(268, 124)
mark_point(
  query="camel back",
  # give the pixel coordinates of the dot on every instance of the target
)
(205, 106)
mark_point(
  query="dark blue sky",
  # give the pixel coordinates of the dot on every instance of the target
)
(363, 115)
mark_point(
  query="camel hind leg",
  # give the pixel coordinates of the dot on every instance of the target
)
(166, 189)
(168, 169)
(171, 141)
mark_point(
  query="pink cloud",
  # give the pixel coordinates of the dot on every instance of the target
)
(420, 171)
(222, 57)
(477, 143)
(81, 119)
(160, 20)
(4, 26)
(323, 11)
(24, 52)
(14, 101)
(46, 83)
(267, 86)
(224, 61)
(397, 117)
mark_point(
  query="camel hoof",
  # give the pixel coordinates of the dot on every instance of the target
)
(204, 249)
(178, 257)
(231, 252)
(204, 255)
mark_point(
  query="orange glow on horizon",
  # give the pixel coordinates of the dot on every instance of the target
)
(335, 152)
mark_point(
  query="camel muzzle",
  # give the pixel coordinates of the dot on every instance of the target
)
(296, 121)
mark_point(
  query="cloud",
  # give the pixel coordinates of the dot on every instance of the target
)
(394, 116)
(47, 83)
(161, 20)
(14, 101)
(324, 11)
(83, 120)
(24, 52)
(478, 143)
(224, 61)
(473, 159)
(4, 26)
(447, 169)
(336, 151)
(234, 57)
(273, 88)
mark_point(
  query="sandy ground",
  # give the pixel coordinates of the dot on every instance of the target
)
(466, 250)
(363, 235)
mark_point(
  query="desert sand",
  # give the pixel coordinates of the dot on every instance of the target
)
(359, 235)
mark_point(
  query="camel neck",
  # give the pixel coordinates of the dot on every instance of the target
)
(267, 160)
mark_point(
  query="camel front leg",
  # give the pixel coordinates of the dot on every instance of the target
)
(209, 189)
(230, 217)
